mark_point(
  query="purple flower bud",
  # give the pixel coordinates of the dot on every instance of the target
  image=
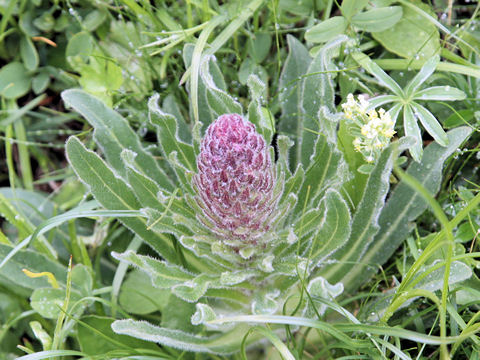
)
(235, 181)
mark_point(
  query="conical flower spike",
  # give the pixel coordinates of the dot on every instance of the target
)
(235, 182)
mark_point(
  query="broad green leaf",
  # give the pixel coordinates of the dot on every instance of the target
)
(114, 194)
(326, 30)
(351, 7)
(168, 139)
(224, 343)
(259, 46)
(440, 93)
(79, 49)
(377, 19)
(95, 336)
(40, 82)
(138, 296)
(427, 69)
(14, 80)
(317, 92)
(430, 124)
(162, 274)
(404, 206)
(113, 134)
(412, 37)
(29, 54)
(411, 128)
(48, 302)
(377, 71)
(365, 220)
(33, 261)
(296, 65)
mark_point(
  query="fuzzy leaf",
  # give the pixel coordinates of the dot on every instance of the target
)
(296, 65)
(334, 228)
(317, 91)
(411, 128)
(262, 118)
(327, 170)
(225, 343)
(365, 220)
(113, 134)
(219, 101)
(114, 194)
(404, 206)
(168, 139)
(162, 274)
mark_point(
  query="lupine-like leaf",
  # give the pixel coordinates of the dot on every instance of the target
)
(440, 93)
(404, 205)
(430, 124)
(113, 134)
(377, 71)
(427, 69)
(411, 128)
(114, 194)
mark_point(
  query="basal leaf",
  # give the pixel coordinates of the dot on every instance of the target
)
(224, 343)
(113, 134)
(296, 65)
(114, 194)
(404, 206)
(317, 91)
(365, 220)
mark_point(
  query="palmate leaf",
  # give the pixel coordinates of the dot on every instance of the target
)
(365, 221)
(114, 194)
(113, 134)
(403, 206)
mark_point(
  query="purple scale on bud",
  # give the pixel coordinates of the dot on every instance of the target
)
(235, 181)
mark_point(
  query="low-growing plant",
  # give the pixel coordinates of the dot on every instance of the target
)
(236, 231)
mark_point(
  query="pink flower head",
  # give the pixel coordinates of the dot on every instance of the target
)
(235, 180)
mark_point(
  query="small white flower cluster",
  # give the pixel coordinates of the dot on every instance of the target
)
(372, 130)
